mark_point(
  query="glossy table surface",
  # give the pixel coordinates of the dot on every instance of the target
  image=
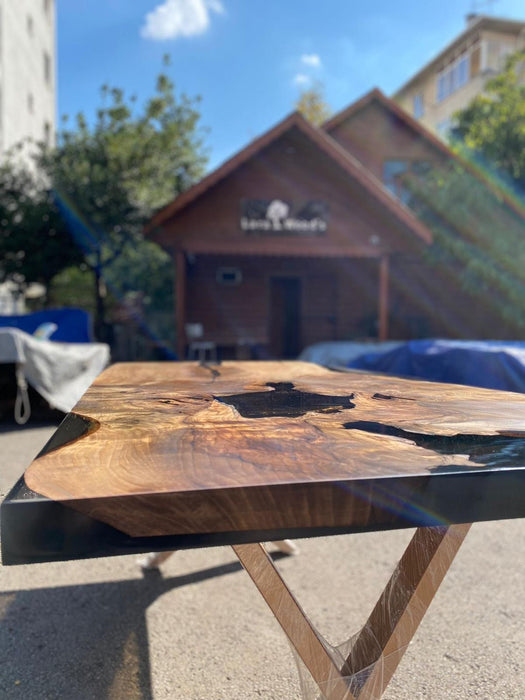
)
(165, 455)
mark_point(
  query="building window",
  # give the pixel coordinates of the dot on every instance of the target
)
(453, 77)
(47, 68)
(29, 25)
(393, 172)
(462, 70)
(475, 61)
(47, 7)
(418, 106)
(230, 276)
(30, 103)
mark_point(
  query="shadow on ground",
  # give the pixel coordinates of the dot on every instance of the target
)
(83, 641)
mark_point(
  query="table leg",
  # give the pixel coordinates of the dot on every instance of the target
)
(303, 636)
(402, 605)
(380, 645)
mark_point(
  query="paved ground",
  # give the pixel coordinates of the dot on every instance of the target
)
(199, 631)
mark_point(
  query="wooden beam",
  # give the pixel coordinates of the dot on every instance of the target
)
(180, 302)
(383, 297)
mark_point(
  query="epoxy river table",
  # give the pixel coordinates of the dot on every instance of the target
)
(165, 456)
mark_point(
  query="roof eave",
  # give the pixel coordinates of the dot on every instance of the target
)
(221, 172)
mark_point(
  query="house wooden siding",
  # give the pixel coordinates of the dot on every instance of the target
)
(374, 135)
(339, 299)
(290, 169)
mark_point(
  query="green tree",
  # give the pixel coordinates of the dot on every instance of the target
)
(34, 243)
(110, 176)
(493, 125)
(313, 106)
(477, 236)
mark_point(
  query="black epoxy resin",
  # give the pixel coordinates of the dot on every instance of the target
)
(73, 427)
(490, 450)
(285, 401)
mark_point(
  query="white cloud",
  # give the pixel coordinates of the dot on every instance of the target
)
(301, 79)
(311, 59)
(175, 18)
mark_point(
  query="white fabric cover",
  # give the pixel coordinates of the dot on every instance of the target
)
(60, 372)
(339, 353)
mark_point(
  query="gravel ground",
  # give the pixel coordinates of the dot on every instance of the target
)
(198, 630)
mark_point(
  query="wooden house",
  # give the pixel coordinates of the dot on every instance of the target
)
(302, 237)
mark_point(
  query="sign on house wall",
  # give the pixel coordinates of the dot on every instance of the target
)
(278, 217)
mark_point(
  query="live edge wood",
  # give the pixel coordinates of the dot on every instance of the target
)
(179, 448)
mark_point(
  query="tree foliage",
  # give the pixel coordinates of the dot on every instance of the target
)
(98, 187)
(34, 243)
(493, 125)
(313, 106)
(477, 236)
(127, 164)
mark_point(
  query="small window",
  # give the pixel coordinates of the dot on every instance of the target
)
(441, 87)
(418, 106)
(30, 103)
(453, 77)
(29, 25)
(392, 170)
(47, 68)
(229, 276)
(463, 70)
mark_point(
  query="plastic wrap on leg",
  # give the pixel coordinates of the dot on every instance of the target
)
(367, 661)
(351, 682)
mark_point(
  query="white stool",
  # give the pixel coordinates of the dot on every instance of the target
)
(202, 350)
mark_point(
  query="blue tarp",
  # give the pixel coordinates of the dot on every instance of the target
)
(491, 364)
(73, 325)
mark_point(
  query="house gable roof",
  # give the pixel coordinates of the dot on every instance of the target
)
(322, 140)
(379, 97)
(376, 95)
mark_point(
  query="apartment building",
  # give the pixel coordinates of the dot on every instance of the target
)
(459, 72)
(27, 71)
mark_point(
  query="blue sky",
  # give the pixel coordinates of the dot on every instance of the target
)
(249, 59)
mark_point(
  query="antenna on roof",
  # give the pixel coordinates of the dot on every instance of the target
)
(481, 6)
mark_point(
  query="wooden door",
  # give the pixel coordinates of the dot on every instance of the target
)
(285, 316)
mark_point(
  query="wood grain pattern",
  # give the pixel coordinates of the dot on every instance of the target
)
(173, 454)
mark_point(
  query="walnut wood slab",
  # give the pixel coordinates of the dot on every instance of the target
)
(158, 449)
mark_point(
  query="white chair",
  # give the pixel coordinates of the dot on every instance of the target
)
(201, 350)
